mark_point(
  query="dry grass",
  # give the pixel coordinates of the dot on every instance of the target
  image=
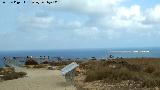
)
(62, 63)
(9, 74)
(142, 70)
(14, 75)
(40, 66)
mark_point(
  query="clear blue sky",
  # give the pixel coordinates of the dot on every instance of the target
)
(76, 24)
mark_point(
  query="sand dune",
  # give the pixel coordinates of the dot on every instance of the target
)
(38, 79)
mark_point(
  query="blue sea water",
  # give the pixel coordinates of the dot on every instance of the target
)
(85, 53)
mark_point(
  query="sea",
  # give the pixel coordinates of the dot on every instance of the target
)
(86, 53)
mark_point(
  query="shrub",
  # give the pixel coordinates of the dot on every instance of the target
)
(45, 62)
(151, 83)
(123, 74)
(31, 62)
(10, 76)
(95, 75)
(22, 74)
(39, 66)
(62, 63)
(146, 75)
(136, 68)
(109, 74)
(1, 69)
(149, 69)
(13, 75)
(156, 74)
(7, 70)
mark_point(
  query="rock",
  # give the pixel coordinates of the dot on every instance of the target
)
(1, 76)
(112, 66)
(156, 88)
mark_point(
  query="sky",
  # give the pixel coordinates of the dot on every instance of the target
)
(79, 24)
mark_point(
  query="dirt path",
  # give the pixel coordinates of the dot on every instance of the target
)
(37, 79)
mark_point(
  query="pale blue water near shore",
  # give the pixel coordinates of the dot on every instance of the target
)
(86, 53)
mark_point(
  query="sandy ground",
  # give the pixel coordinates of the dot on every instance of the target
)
(38, 79)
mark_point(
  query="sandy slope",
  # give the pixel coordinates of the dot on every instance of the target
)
(37, 79)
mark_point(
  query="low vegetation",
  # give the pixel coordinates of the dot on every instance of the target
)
(13, 75)
(144, 72)
(9, 74)
(31, 62)
(40, 66)
(63, 63)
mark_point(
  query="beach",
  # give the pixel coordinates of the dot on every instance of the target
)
(38, 79)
